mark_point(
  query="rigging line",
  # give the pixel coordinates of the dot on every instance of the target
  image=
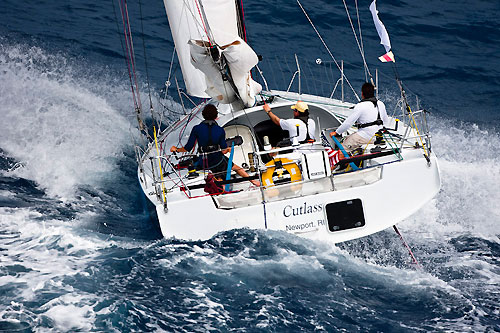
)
(407, 89)
(161, 172)
(306, 82)
(407, 247)
(231, 108)
(244, 111)
(127, 57)
(126, 63)
(272, 73)
(126, 53)
(193, 15)
(189, 118)
(327, 49)
(131, 68)
(357, 41)
(133, 57)
(243, 20)
(130, 55)
(408, 109)
(360, 34)
(203, 21)
(146, 64)
(128, 33)
(118, 30)
(171, 63)
(167, 86)
(230, 80)
(130, 36)
(281, 70)
(265, 215)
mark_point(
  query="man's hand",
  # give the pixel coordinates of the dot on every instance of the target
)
(173, 149)
(275, 119)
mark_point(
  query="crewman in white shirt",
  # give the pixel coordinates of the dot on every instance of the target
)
(369, 114)
(301, 126)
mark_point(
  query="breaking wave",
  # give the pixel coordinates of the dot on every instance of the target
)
(79, 251)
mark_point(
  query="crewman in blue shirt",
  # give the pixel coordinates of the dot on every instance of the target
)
(212, 145)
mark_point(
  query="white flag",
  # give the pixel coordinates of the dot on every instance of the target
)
(382, 32)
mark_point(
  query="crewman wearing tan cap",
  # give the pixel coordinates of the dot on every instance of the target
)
(301, 126)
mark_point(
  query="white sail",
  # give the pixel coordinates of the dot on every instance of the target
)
(186, 23)
(216, 87)
(241, 59)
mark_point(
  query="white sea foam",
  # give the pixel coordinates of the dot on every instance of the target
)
(36, 246)
(59, 123)
(6, 194)
(47, 253)
(69, 130)
(70, 312)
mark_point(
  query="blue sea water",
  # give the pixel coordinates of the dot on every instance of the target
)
(78, 251)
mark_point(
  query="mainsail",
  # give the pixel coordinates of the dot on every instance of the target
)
(196, 26)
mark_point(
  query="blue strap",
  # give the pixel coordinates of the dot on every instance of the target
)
(229, 167)
(346, 155)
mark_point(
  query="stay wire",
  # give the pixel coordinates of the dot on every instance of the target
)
(360, 34)
(146, 66)
(128, 33)
(129, 60)
(127, 55)
(328, 50)
(118, 32)
(171, 65)
(126, 60)
(204, 20)
(367, 70)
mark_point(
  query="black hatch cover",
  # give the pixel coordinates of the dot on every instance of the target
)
(344, 215)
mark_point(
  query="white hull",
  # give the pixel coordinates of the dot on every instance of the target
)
(389, 192)
(385, 203)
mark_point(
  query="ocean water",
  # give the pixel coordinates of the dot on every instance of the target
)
(78, 251)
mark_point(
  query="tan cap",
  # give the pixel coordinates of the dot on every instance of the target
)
(300, 106)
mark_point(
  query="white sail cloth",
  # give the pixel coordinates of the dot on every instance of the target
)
(382, 31)
(240, 58)
(213, 21)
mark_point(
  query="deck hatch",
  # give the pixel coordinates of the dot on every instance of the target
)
(344, 215)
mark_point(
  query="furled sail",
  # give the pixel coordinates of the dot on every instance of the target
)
(196, 25)
(240, 58)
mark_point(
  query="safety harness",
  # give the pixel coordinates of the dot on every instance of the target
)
(376, 122)
(305, 120)
(210, 147)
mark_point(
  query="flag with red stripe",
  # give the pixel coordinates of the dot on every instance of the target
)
(333, 156)
(389, 56)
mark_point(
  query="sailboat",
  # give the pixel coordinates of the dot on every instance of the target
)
(302, 190)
